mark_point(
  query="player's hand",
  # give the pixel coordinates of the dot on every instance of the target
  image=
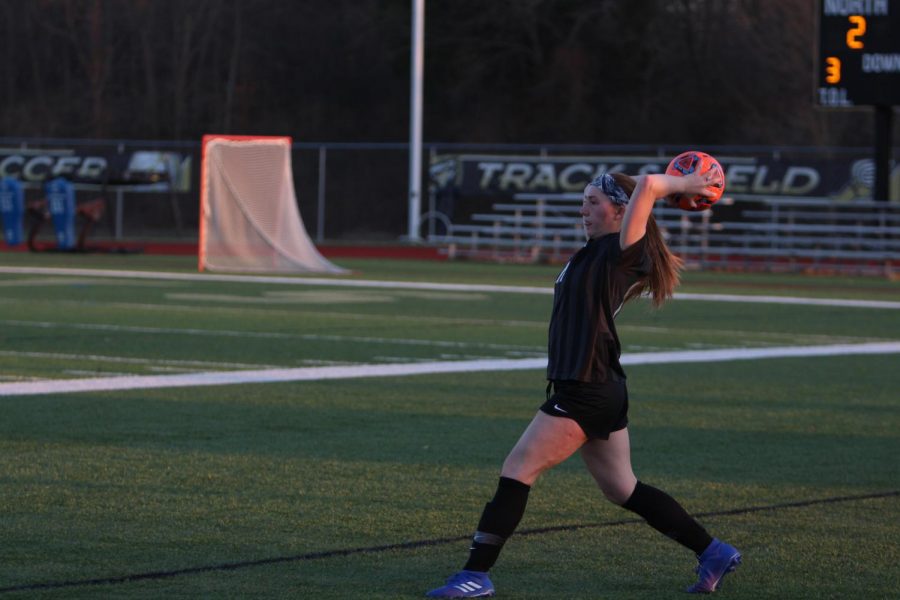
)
(690, 186)
(699, 184)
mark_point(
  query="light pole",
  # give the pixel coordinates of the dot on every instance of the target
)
(417, 68)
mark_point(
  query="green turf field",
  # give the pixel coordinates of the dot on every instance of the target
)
(370, 487)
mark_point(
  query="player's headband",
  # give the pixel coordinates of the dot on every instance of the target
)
(613, 190)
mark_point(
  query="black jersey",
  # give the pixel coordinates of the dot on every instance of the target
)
(590, 290)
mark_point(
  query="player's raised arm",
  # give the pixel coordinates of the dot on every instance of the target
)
(651, 188)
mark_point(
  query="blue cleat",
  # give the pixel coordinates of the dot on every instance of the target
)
(465, 584)
(715, 562)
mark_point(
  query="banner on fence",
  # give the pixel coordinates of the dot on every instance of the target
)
(847, 177)
(148, 169)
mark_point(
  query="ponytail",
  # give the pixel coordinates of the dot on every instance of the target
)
(665, 270)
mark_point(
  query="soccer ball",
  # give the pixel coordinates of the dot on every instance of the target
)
(701, 162)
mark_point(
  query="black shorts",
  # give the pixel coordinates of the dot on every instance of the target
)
(598, 408)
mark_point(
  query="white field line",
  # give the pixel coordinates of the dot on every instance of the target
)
(843, 302)
(747, 336)
(406, 319)
(414, 285)
(60, 386)
(208, 309)
(63, 281)
(181, 364)
(509, 349)
(310, 337)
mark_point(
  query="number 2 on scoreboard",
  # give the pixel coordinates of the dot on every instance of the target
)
(856, 31)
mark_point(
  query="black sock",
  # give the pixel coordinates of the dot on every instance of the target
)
(663, 513)
(500, 518)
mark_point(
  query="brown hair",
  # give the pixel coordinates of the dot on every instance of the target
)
(665, 273)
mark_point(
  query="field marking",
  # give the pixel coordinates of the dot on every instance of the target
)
(414, 285)
(842, 302)
(329, 297)
(541, 324)
(803, 338)
(419, 544)
(207, 309)
(143, 382)
(72, 281)
(324, 297)
(808, 339)
(182, 364)
(311, 337)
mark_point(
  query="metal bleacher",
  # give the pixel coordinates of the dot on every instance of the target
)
(741, 232)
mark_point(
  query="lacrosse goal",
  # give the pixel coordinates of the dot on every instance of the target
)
(249, 220)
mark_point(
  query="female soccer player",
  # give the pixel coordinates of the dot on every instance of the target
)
(625, 256)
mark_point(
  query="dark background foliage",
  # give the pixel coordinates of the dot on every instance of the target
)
(528, 71)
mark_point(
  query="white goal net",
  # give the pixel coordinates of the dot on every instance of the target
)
(249, 220)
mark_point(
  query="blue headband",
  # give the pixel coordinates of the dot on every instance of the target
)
(613, 190)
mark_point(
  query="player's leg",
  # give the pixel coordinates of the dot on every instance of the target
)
(609, 462)
(545, 443)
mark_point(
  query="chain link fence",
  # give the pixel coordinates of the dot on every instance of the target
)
(358, 192)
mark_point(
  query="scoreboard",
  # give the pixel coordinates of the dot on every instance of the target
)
(858, 59)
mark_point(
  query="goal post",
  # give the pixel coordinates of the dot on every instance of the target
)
(249, 219)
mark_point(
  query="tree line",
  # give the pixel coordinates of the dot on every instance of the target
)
(496, 71)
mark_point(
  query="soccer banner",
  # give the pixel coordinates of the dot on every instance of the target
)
(113, 164)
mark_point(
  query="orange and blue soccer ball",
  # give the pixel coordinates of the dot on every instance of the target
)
(701, 162)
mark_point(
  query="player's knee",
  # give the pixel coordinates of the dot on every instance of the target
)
(518, 466)
(619, 491)
(615, 496)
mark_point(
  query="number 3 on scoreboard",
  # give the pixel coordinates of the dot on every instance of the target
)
(833, 69)
(856, 32)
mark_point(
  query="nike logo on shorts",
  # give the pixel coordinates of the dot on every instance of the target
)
(556, 407)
